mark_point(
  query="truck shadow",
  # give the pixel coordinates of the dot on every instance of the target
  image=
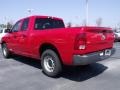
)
(78, 74)
(82, 73)
(28, 61)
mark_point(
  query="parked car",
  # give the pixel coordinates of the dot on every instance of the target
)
(117, 36)
(3, 32)
(46, 39)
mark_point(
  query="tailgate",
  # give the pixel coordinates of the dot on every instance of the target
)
(98, 39)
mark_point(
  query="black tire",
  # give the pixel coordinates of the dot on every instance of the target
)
(50, 63)
(5, 51)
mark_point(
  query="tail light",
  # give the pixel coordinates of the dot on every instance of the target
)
(80, 42)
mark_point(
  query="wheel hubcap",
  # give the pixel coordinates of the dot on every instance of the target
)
(49, 64)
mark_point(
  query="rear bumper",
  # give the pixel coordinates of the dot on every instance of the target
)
(91, 58)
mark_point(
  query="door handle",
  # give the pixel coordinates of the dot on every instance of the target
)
(23, 36)
(15, 36)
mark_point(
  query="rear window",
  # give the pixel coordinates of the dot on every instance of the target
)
(48, 23)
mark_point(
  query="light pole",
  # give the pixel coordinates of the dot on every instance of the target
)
(87, 12)
(5, 21)
(30, 11)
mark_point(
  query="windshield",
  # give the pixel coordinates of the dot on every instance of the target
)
(48, 23)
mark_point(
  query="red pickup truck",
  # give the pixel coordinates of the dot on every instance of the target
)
(45, 38)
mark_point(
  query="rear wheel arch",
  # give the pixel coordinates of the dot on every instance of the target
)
(46, 46)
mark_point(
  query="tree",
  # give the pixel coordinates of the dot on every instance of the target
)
(3, 26)
(69, 24)
(99, 22)
(118, 26)
(84, 22)
(9, 25)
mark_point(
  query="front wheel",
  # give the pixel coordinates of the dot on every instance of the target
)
(5, 51)
(50, 63)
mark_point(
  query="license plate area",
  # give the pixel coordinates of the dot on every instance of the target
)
(105, 53)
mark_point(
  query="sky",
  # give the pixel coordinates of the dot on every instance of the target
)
(70, 10)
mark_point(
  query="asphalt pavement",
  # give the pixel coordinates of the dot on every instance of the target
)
(21, 73)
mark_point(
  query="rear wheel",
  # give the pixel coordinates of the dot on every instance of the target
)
(5, 51)
(50, 63)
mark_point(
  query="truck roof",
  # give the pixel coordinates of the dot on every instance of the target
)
(42, 16)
